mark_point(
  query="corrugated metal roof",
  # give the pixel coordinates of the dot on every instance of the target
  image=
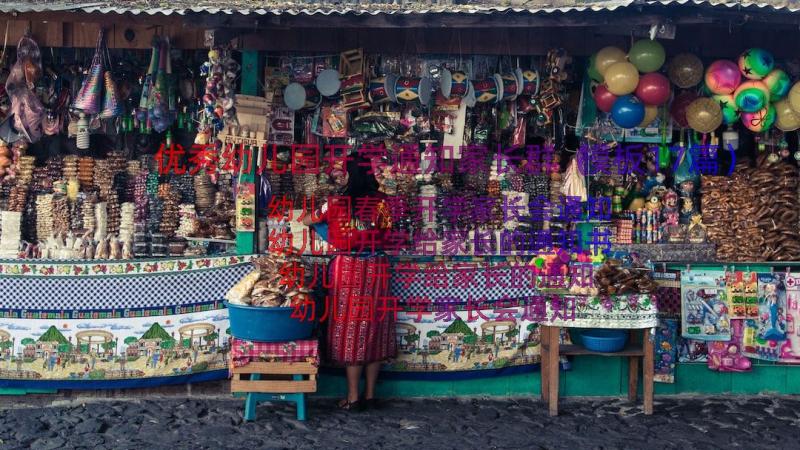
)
(359, 7)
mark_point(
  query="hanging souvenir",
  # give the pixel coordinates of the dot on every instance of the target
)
(530, 82)
(454, 84)
(27, 112)
(112, 104)
(89, 98)
(328, 83)
(334, 122)
(512, 85)
(408, 89)
(488, 89)
(378, 91)
(297, 96)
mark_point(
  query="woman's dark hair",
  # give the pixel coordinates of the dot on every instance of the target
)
(360, 182)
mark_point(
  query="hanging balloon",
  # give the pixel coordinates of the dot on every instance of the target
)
(794, 97)
(650, 114)
(685, 70)
(778, 83)
(723, 77)
(627, 111)
(653, 89)
(730, 112)
(704, 115)
(751, 96)
(678, 108)
(786, 119)
(603, 98)
(760, 120)
(621, 78)
(606, 57)
(647, 55)
(756, 63)
(592, 70)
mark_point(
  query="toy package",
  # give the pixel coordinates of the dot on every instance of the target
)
(692, 351)
(666, 349)
(763, 335)
(742, 294)
(790, 349)
(727, 356)
(704, 306)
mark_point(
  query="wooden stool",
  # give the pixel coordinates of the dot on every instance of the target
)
(271, 381)
(552, 350)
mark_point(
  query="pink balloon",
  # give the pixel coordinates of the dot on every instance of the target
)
(653, 89)
(723, 77)
(604, 98)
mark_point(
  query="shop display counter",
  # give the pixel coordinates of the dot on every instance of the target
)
(115, 324)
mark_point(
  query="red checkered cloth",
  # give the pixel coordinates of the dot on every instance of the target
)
(243, 352)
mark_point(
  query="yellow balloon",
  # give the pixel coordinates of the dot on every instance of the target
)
(787, 119)
(621, 78)
(650, 114)
(794, 97)
(606, 57)
(704, 115)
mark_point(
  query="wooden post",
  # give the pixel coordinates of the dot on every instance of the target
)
(251, 73)
(648, 372)
(544, 333)
(633, 369)
(552, 369)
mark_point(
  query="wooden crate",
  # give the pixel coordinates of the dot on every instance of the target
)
(275, 378)
(274, 381)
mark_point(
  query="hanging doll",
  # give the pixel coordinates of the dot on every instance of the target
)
(688, 203)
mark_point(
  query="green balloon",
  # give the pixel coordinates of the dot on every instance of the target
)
(539, 262)
(730, 112)
(592, 70)
(647, 55)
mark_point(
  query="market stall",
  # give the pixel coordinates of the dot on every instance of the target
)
(117, 244)
(518, 172)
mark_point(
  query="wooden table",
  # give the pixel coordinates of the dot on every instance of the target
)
(639, 346)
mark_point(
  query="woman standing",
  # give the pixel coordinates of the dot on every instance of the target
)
(361, 333)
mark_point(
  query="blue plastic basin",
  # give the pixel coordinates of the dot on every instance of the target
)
(606, 341)
(267, 324)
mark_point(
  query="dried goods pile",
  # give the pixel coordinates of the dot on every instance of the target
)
(753, 215)
(269, 286)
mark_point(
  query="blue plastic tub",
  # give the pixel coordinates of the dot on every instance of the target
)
(606, 341)
(267, 324)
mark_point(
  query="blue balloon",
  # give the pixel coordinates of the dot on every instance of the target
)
(627, 111)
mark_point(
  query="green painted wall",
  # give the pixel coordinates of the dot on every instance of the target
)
(591, 376)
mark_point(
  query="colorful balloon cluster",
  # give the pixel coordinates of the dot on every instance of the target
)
(751, 89)
(631, 87)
